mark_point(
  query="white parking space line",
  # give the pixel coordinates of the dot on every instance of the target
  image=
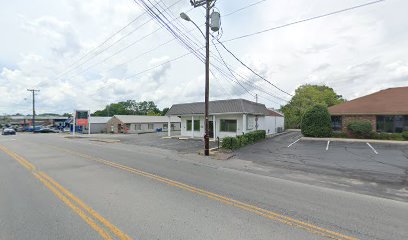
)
(372, 148)
(327, 147)
(294, 142)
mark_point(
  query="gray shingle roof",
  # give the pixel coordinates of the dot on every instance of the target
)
(218, 107)
(146, 119)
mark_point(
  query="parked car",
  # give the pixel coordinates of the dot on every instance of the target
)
(8, 131)
(46, 130)
(30, 129)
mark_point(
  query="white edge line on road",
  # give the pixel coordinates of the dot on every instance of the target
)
(372, 148)
(327, 147)
(294, 142)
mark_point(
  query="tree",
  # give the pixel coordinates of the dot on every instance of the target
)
(316, 122)
(129, 107)
(164, 111)
(67, 115)
(305, 97)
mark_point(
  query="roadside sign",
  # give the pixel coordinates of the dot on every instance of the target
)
(81, 118)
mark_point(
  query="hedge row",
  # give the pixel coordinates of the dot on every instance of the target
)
(243, 140)
(378, 136)
(360, 129)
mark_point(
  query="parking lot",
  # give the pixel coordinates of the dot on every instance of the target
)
(159, 140)
(374, 163)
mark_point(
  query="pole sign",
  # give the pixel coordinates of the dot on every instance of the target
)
(81, 117)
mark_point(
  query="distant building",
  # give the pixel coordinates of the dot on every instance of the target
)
(98, 124)
(26, 121)
(141, 124)
(226, 118)
(387, 111)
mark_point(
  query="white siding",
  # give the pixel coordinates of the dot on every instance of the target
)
(271, 123)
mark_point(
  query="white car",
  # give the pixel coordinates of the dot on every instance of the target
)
(8, 131)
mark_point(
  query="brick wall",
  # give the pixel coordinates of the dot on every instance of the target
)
(113, 122)
(347, 119)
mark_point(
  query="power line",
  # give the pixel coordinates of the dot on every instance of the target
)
(140, 39)
(304, 20)
(112, 44)
(250, 69)
(243, 8)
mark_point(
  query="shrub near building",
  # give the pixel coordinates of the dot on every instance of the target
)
(243, 140)
(316, 122)
(360, 129)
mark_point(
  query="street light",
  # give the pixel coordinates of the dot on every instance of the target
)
(184, 16)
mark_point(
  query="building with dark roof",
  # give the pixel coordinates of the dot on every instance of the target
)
(227, 118)
(387, 110)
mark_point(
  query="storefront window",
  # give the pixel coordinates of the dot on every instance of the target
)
(392, 124)
(228, 125)
(196, 125)
(336, 123)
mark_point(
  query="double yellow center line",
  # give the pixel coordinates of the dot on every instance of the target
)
(228, 201)
(90, 216)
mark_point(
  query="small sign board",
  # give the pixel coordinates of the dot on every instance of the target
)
(81, 117)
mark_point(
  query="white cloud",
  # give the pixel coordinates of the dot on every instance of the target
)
(356, 53)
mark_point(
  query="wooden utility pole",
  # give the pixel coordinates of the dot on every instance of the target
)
(33, 91)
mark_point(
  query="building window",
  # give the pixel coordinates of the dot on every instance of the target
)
(150, 126)
(392, 124)
(196, 125)
(165, 125)
(138, 127)
(228, 125)
(336, 123)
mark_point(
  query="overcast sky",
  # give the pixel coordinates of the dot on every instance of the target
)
(356, 52)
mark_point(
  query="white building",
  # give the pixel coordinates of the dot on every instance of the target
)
(141, 124)
(226, 118)
(97, 124)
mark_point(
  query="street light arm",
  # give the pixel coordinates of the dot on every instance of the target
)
(184, 16)
(198, 28)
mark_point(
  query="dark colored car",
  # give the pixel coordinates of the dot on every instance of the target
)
(30, 129)
(8, 131)
(45, 130)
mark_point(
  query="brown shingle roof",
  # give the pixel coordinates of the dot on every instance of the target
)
(390, 101)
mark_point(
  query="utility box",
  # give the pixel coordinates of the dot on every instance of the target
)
(215, 22)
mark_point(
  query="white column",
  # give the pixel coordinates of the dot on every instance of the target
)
(244, 123)
(214, 128)
(74, 125)
(168, 127)
(192, 126)
(89, 122)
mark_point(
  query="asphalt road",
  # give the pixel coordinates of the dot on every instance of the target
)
(57, 188)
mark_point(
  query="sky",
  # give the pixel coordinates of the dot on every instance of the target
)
(63, 49)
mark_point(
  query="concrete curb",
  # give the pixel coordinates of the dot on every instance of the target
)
(277, 134)
(354, 140)
(104, 140)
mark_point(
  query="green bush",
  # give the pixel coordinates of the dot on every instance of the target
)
(230, 143)
(339, 135)
(360, 129)
(241, 141)
(316, 122)
(387, 136)
(405, 135)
